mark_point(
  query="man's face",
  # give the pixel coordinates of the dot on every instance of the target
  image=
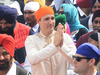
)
(96, 24)
(6, 27)
(80, 66)
(96, 7)
(47, 23)
(29, 16)
(5, 59)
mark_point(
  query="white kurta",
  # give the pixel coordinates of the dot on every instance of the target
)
(47, 59)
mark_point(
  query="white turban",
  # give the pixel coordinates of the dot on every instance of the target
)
(34, 6)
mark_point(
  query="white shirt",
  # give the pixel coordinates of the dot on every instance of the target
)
(12, 70)
(47, 59)
(81, 12)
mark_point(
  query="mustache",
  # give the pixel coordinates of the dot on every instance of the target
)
(3, 60)
(96, 27)
(27, 19)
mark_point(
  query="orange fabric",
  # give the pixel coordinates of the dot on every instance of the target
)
(20, 34)
(43, 11)
(8, 43)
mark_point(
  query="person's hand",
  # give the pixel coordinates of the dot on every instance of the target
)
(58, 37)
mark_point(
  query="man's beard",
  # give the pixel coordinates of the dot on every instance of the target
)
(96, 29)
(6, 64)
(6, 30)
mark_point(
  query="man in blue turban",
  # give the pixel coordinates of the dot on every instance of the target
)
(10, 26)
(86, 58)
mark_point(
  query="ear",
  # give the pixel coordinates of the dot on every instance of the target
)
(91, 62)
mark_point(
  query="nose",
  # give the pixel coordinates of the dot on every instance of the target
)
(1, 57)
(3, 26)
(98, 25)
(74, 61)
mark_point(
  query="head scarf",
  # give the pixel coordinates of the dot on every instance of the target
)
(93, 2)
(8, 13)
(88, 50)
(41, 2)
(72, 17)
(84, 3)
(34, 6)
(40, 12)
(96, 14)
(8, 43)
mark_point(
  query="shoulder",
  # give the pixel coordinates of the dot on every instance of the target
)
(21, 71)
(84, 19)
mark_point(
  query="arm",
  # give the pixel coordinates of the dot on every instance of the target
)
(68, 49)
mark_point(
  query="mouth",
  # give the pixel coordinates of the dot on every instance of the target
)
(2, 62)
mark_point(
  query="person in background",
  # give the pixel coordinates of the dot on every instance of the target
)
(46, 50)
(93, 39)
(7, 66)
(87, 22)
(84, 8)
(30, 18)
(96, 25)
(76, 29)
(18, 31)
(21, 18)
(86, 58)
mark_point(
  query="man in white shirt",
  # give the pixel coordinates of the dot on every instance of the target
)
(7, 66)
(47, 50)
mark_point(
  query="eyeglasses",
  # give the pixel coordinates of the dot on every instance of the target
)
(96, 22)
(79, 58)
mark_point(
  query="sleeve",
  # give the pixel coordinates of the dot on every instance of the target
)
(68, 46)
(34, 56)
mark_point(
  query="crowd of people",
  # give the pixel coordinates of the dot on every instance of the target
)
(46, 37)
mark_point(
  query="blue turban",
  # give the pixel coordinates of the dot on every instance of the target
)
(8, 13)
(88, 50)
(93, 2)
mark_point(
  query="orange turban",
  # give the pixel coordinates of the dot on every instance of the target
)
(8, 43)
(43, 11)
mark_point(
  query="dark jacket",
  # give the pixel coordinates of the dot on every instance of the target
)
(21, 71)
(84, 22)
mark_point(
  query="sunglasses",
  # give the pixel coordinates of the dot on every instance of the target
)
(79, 58)
(96, 22)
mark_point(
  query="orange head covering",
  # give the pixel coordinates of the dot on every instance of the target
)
(43, 11)
(8, 43)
